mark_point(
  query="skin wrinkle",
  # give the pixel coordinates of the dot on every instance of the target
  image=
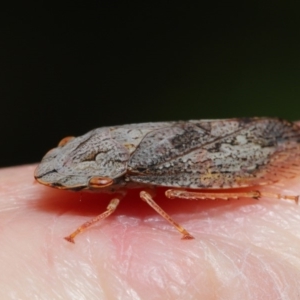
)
(124, 271)
(273, 277)
(216, 267)
(192, 282)
(48, 246)
(127, 255)
(243, 266)
(124, 290)
(104, 277)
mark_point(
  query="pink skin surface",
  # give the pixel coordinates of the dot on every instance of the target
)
(243, 249)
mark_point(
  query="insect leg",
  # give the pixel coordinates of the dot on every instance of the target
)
(110, 209)
(147, 198)
(171, 194)
(189, 195)
(280, 196)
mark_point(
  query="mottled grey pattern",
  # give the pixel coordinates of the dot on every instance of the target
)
(193, 154)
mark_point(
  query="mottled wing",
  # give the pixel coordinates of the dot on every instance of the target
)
(217, 154)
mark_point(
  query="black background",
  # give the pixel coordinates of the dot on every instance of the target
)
(66, 70)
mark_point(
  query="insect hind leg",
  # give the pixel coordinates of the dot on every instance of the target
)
(281, 196)
(190, 195)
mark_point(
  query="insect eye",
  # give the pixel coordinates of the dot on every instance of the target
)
(65, 140)
(100, 182)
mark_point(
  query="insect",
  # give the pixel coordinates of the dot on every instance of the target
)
(197, 159)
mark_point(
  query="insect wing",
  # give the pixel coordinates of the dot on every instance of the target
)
(216, 154)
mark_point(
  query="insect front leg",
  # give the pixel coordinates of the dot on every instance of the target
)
(147, 198)
(110, 209)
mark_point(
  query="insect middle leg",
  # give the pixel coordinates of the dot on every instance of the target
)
(110, 209)
(147, 198)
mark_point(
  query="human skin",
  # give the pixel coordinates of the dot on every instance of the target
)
(243, 248)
